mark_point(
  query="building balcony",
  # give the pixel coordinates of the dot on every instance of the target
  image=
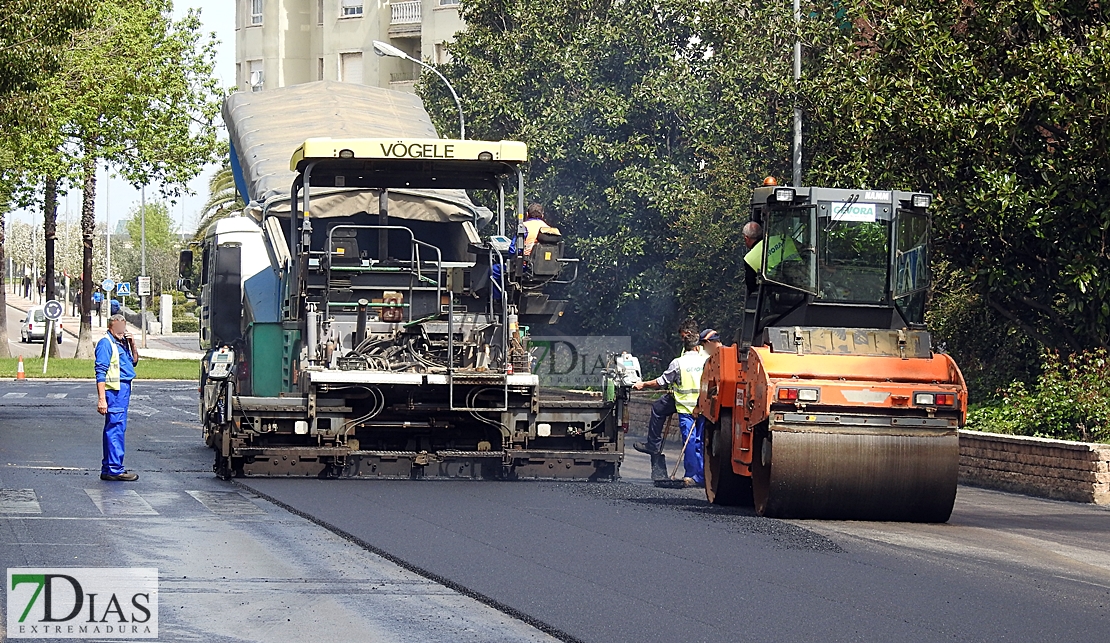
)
(404, 22)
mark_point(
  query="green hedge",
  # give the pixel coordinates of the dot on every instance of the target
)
(186, 324)
(1069, 401)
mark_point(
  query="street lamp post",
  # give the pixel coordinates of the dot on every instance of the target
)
(142, 269)
(386, 49)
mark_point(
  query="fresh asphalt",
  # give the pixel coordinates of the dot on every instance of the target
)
(526, 560)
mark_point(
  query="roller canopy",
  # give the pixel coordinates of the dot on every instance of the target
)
(266, 127)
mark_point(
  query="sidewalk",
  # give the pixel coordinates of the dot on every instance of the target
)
(158, 346)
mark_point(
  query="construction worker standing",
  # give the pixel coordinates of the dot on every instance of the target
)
(115, 368)
(683, 375)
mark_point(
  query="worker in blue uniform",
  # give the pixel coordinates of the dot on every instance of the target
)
(115, 369)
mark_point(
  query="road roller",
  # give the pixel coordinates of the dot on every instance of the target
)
(833, 404)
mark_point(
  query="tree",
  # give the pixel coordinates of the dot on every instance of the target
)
(1002, 109)
(137, 92)
(32, 38)
(223, 197)
(601, 93)
(161, 246)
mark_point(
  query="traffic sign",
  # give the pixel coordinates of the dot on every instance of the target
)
(123, 288)
(107, 285)
(144, 286)
(53, 310)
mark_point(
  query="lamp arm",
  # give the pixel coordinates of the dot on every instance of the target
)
(458, 103)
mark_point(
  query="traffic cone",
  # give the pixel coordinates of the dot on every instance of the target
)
(19, 374)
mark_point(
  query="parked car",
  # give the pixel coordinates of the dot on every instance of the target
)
(33, 327)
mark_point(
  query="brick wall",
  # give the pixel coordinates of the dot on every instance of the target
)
(1076, 471)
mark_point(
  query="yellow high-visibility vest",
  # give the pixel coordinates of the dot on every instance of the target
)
(111, 378)
(782, 249)
(689, 383)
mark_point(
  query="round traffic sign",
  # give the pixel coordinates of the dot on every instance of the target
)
(107, 285)
(53, 310)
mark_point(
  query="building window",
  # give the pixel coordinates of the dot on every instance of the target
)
(257, 78)
(319, 69)
(350, 67)
(448, 3)
(442, 56)
(351, 8)
(256, 12)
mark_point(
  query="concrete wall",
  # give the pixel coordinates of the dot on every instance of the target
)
(1076, 471)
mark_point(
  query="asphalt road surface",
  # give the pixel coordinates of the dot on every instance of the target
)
(232, 567)
(524, 560)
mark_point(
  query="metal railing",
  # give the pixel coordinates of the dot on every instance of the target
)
(405, 13)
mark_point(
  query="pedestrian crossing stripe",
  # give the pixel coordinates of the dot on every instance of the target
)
(19, 501)
(56, 396)
(8, 395)
(110, 500)
(120, 502)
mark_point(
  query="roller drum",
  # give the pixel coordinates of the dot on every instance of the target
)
(856, 475)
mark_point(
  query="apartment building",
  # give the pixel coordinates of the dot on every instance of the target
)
(288, 42)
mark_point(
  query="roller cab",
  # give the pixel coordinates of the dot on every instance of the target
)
(832, 404)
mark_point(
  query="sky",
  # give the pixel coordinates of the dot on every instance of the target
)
(116, 198)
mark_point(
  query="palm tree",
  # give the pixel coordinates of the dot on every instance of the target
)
(223, 199)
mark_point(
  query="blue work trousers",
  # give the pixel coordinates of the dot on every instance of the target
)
(115, 426)
(691, 457)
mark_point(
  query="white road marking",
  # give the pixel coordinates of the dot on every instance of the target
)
(120, 502)
(56, 396)
(184, 398)
(227, 503)
(19, 501)
(15, 395)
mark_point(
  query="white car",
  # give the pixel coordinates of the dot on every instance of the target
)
(33, 327)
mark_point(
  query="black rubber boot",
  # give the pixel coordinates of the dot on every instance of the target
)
(659, 467)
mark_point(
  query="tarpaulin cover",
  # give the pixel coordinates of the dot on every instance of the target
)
(266, 127)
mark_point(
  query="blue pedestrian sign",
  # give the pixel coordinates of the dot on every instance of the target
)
(123, 288)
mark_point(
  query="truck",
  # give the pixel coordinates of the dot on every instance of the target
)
(833, 402)
(367, 314)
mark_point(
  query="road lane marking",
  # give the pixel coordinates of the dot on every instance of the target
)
(144, 411)
(15, 394)
(184, 398)
(120, 502)
(19, 501)
(227, 503)
(56, 396)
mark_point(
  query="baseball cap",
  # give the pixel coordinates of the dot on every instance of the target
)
(709, 335)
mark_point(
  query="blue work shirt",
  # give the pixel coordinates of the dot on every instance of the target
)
(104, 358)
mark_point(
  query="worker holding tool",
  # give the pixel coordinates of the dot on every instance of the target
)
(683, 375)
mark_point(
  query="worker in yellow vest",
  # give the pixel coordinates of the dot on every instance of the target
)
(683, 376)
(115, 368)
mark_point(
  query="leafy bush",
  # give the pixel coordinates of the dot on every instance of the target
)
(990, 352)
(1070, 401)
(187, 324)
